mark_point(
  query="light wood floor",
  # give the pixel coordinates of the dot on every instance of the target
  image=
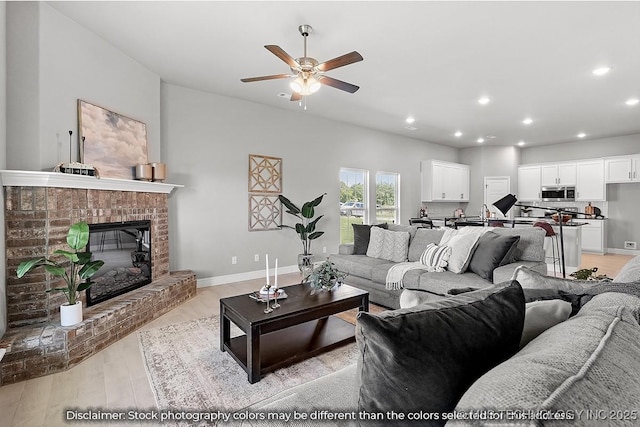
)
(115, 378)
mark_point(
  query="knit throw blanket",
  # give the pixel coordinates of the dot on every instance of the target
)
(396, 273)
(632, 288)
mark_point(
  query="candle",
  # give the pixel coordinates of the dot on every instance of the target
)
(276, 274)
(266, 260)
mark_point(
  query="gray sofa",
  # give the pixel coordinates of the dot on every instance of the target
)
(582, 371)
(370, 273)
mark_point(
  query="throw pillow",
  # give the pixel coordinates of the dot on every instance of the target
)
(510, 256)
(462, 246)
(422, 359)
(490, 252)
(542, 315)
(361, 237)
(389, 245)
(436, 257)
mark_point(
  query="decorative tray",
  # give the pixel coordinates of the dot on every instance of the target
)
(259, 297)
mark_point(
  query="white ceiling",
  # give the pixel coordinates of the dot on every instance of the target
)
(431, 60)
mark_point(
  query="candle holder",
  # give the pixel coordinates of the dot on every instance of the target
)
(275, 297)
(268, 309)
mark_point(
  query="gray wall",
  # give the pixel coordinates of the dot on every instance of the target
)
(488, 161)
(3, 154)
(207, 139)
(53, 62)
(623, 199)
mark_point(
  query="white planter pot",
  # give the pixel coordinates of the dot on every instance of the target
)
(71, 314)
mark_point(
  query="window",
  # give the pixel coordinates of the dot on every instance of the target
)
(353, 201)
(387, 197)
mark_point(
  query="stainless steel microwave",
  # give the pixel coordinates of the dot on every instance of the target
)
(558, 194)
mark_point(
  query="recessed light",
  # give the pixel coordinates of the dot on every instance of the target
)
(601, 71)
(521, 143)
(480, 140)
(484, 100)
(410, 120)
(632, 101)
(458, 134)
(581, 135)
(527, 121)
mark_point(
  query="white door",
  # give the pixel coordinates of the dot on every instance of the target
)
(495, 188)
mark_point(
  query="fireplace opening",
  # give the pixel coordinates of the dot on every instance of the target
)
(125, 248)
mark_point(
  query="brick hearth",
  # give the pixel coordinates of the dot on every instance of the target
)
(37, 219)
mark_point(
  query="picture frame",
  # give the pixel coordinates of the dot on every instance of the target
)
(265, 174)
(265, 212)
(113, 143)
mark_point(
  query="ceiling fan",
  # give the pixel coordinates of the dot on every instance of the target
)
(308, 72)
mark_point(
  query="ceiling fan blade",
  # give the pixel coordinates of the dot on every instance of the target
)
(257, 79)
(295, 96)
(338, 84)
(340, 61)
(277, 51)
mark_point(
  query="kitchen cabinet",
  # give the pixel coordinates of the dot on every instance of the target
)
(529, 179)
(594, 235)
(444, 181)
(558, 174)
(622, 169)
(590, 184)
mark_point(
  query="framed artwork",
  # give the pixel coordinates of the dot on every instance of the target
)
(265, 212)
(265, 174)
(114, 144)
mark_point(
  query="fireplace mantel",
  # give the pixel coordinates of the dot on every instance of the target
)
(18, 178)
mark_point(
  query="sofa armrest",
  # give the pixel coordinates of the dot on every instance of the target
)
(346, 249)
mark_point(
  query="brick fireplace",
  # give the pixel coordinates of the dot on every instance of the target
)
(39, 209)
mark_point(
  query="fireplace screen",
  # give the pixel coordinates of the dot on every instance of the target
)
(125, 248)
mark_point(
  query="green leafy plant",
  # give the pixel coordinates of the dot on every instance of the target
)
(326, 276)
(81, 267)
(588, 274)
(306, 229)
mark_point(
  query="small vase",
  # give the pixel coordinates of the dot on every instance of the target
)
(305, 264)
(70, 314)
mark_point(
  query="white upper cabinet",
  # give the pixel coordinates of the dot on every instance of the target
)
(558, 174)
(590, 184)
(529, 183)
(444, 181)
(622, 169)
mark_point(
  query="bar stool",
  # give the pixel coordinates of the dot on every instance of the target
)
(553, 238)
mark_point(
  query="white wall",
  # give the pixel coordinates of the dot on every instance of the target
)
(3, 154)
(53, 62)
(207, 139)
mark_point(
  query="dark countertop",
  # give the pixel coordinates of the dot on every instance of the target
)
(476, 221)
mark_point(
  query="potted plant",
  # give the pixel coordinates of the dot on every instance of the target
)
(306, 229)
(325, 277)
(81, 268)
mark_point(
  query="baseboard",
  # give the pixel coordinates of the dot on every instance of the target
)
(239, 277)
(623, 251)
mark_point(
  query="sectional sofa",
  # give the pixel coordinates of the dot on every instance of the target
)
(370, 273)
(460, 360)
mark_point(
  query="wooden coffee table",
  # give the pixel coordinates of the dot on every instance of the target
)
(303, 326)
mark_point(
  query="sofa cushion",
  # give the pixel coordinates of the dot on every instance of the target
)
(505, 272)
(357, 265)
(436, 257)
(490, 252)
(361, 237)
(389, 245)
(589, 361)
(542, 315)
(411, 229)
(531, 244)
(440, 283)
(630, 272)
(419, 243)
(423, 358)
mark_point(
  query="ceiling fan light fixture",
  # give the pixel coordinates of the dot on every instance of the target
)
(305, 86)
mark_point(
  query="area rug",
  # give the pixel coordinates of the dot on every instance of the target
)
(187, 370)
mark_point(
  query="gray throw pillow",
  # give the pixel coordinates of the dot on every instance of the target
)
(361, 236)
(423, 358)
(490, 252)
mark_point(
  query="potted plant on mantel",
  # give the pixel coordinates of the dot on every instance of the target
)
(306, 230)
(81, 268)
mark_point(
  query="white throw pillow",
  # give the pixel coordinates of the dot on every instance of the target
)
(462, 246)
(542, 315)
(389, 245)
(436, 257)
